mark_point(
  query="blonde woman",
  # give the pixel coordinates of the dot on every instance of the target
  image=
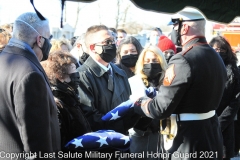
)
(60, 44)
(5, 36)
(151, 66)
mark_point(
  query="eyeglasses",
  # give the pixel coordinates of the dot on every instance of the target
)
(106, 42)
(219, 50)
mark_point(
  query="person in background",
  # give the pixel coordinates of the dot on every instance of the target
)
(127, 55)
(60, 44)
(230, 103)
(121, 34)
(64, 80)
(178, 48)
(113, 29)
(151, 66)
(154, 36)
(114, 33)
(237, 121)
(7, 27)
(73, 40)
(79, 50)
(28, 117)
(145, 135)
(167, 47)
(5, 36)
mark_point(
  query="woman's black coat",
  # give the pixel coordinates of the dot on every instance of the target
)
(228, 108)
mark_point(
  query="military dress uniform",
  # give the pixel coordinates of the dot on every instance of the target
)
(192, 90)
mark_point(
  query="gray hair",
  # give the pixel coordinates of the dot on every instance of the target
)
(198, 26)
(80, 39)
(27, 26)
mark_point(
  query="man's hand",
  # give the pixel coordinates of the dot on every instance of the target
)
(151, 92)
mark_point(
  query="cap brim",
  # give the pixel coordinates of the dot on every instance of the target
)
(172, 23)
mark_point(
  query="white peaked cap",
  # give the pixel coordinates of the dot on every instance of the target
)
(187, 14)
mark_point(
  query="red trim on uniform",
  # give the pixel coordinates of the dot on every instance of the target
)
(184, 52)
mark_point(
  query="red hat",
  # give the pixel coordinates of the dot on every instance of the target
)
(165, 43)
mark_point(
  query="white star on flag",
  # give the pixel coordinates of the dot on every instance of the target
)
(102, 141)
(77, 142)
(114, 116)
(111, 135)
(125, 138)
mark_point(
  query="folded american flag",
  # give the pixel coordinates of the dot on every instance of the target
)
(119, 111)
(99, 140)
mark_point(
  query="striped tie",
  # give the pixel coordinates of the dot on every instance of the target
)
(110, 80)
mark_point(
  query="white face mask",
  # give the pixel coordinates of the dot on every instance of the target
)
(154, 40)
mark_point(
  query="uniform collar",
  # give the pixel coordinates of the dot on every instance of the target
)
(194, 40)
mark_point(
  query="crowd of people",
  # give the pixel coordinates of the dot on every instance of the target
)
(54, 90)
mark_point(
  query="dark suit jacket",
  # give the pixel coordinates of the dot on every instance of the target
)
(97, 100)
(28, 114)
(126, 69)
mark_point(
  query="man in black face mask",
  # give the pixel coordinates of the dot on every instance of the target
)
(28, 117)
(194, 76)
(103, 86)
(79, 50)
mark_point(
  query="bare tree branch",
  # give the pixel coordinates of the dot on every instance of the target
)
(77, 17)
(118, 14)
(125, 14)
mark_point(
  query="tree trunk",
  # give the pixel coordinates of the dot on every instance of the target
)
(118, 14)
(78, 10)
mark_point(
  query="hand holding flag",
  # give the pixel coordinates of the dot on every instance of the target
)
(119, 111)
(151, 92)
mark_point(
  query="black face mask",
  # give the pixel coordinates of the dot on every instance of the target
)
(168, 57)
(75, 80)
(151, 70)
(175, 37)
(129, 60)
(179, 49)
(45, 49)
(83, 57)
(223, 56)
(108, 53)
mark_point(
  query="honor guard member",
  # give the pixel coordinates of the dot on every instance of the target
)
(191, 92)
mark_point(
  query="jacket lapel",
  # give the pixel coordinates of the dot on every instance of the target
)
(118, 83)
